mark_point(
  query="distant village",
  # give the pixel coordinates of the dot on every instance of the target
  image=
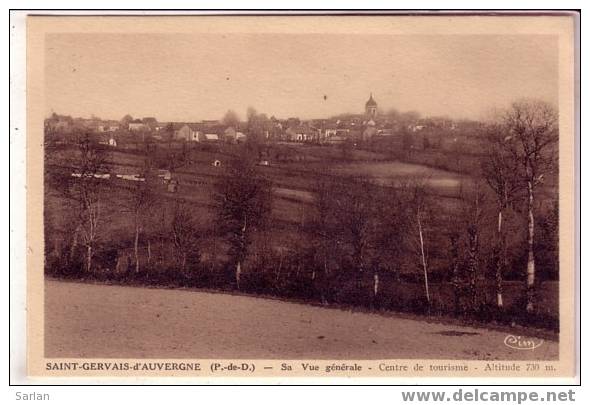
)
(405, 131)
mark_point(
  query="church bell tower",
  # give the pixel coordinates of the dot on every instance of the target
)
(371, 108)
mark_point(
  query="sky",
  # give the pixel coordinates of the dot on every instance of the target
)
(191, 77)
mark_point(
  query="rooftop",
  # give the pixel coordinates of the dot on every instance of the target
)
(371, 102)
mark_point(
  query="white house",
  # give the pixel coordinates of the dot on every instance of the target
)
(188, 133)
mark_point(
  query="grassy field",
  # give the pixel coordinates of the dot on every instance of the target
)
(293, 183)
(442, 182)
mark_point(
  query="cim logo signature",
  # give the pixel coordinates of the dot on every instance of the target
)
(522, 342)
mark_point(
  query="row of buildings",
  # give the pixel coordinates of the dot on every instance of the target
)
(371, 125)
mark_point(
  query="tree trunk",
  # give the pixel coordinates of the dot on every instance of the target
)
(530, 269)
(74, 244)
(500, 263)
(238, 274)
(90, 237)
(325, 281)
(56, 251)
(241, 254)
(136, 248)
(213, 254)
(473, 264)
(423, 260)
(455, 272)
(88, 258)
(360, 264)
(279, 270)
(149, 251)
(375, 284)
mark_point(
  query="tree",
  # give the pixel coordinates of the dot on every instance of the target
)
(392, 115)
(391, 229)
(231, 119)
(258, 128)
(126, 120)
(86, 189)
(243, 199)
(177, 158)
(472, 216)
(547, 245)
(531, 129)
(346, 148)
(419, 213)
(499, 170)
(184, 233)
(409, 117)
(355, 208)
(169, 133)
(407, 138)
(455, 276)
(139, 203)
(323, 224)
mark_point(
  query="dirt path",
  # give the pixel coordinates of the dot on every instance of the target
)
(84, 320)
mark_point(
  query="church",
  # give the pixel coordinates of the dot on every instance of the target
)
(371, 108)
(370, 116)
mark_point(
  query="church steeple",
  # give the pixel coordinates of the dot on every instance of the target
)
(371, 107)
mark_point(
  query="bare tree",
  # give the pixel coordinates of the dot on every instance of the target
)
(140, 201)
(499, 170)
(419, 212)
(90, 169)
(355, 206)
(244, 201)
(532, 133)
(184, 233)
(472, 217)
(257, 127)
(455, 276)
(322, 226)
(392, 229)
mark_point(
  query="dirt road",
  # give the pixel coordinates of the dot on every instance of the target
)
(85, 320)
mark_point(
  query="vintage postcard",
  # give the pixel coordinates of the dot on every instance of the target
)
(379, 196)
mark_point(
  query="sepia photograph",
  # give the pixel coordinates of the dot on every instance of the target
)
(275, 195)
